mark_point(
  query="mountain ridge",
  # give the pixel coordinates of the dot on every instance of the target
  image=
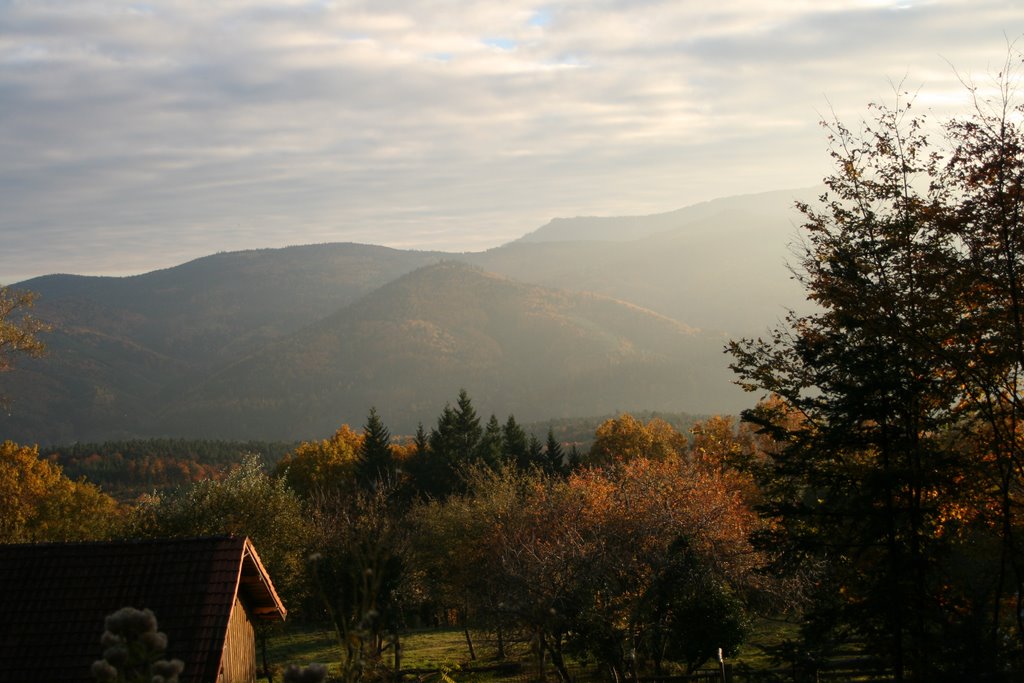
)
(127, 352)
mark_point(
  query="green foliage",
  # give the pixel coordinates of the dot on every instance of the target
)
(247, 502)
(690, 612)
(554, 455)
(516, 443)
(491, 449)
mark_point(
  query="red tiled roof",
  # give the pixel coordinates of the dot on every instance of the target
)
(54, 597)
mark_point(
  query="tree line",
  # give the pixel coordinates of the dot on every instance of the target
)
(633, 553)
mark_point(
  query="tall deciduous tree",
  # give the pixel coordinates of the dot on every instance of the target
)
(360, 542)
(912, 260)
(985, 173)
(625, 438)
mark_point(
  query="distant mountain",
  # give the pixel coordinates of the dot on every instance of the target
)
(213, 309)
(630, 228)
(583, 316)
(122, 347)
(409, 347)
(719, 265)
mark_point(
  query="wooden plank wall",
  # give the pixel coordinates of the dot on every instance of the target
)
(238, 663)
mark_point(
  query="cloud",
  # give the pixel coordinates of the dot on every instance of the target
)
(137, 136)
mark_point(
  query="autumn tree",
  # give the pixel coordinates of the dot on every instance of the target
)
(318, 466)
(901, 255)
(985, 177)
(590, 563)
(625, 438)
(38, 503)
(456, 549)
(18, 329)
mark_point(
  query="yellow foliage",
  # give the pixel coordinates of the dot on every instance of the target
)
(626, 438)
(316, 466)
(38, 503)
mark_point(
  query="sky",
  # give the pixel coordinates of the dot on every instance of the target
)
(140, 135)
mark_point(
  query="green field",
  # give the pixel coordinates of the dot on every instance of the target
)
(446, 649)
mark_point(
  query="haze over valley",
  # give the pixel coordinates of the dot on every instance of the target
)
(583, 316)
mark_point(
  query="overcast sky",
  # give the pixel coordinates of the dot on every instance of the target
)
(139, 135)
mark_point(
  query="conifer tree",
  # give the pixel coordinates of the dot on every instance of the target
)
(468, 431)
(574, 459)
(535, 453)
(376, 461)
(454, 446)
(516, 443)
(420, 440)
(554, 455)
(491, 448)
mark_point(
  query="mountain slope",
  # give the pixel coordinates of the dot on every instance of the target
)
(172, 352)
(719, 266)
(121, 348)
(212, 309)
(410, 346)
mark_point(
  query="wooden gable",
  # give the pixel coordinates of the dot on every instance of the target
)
(55, 596)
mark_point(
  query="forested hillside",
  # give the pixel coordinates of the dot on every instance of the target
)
(518, 348)
(629, 314)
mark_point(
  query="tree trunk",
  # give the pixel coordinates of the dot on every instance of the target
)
(469, 639)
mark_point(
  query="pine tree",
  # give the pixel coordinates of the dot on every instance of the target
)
(535, 454)
(516, 443)
(376, 461)
(554, 455)
(490, 451)
(468, 430)
(454, 446)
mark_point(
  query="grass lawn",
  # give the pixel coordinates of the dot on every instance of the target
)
(429, 649)
(436, 648)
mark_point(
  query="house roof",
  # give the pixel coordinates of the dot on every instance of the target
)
(54, 598)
